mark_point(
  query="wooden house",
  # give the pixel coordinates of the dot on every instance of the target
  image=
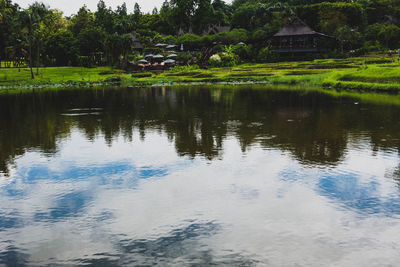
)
(297, 37)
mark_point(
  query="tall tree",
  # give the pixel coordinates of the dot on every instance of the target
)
(104, 17)
(82, 20)
(203, 16)
(38, 13)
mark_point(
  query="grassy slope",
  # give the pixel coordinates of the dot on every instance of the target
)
(376, 77)
(372, 73)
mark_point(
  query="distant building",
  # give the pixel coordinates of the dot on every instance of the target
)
(136, 44)
(214, 29)
(182, 32)
(297, 37)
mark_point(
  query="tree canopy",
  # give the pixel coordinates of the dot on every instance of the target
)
(41, 35)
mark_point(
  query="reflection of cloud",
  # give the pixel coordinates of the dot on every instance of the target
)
(180, 243)
(364, 197)
(71, 203)
(40, 173)
(107, 205)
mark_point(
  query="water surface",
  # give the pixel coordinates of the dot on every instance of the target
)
(198, 176)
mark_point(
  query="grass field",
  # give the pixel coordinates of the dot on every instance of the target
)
(375, 77)
(367, 73)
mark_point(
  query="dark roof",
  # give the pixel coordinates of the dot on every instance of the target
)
(214, 29)
(296, 27)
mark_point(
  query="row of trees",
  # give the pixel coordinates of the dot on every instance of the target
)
(39, 35)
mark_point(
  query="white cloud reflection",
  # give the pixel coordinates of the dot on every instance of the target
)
(235, 209)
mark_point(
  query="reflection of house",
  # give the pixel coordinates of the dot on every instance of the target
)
(297, 37)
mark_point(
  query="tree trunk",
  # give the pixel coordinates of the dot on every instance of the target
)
(30, 60)
(38, 59)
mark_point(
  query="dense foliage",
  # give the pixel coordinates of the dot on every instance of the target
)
(41, 36)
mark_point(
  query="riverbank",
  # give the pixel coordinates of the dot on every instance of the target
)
(373, 73)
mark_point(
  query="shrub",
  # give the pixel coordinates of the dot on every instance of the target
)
(267, 55)
(223, 59)
(242, 51)
(83, 61)
(186, 68)
(185, 57)
(233, 37)
(215, 61)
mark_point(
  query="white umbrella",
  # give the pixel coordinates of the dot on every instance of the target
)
(144, 61)
(160, 45)
(172, 55)
(169, 61)
(158, 56)
(170, 46)
(241, 43)
(149, 55)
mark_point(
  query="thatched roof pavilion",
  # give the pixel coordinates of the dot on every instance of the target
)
(298, 37)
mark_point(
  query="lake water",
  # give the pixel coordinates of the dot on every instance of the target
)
(198, 176)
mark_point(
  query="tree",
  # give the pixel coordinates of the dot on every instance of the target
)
(203, 16)
(348, 38)
(81, 21)
(117, 46)
(91, 41)
(10, 27)
(137, 14)
(30, 32)
(63, 47)
(104, 17)
(222, 12)
(37, 12)
(182, 12)
(389, 35)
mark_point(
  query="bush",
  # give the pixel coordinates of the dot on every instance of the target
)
(242, 51)
(186, 68)
(215, 61)
(386, 34)
(83, 61)
(185, 58)
(233, 37)
(267, 55)
(373, 46)
(223, 59)
(191, 41)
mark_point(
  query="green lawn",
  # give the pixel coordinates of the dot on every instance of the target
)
(56, 75)
(366, 73)
(370, 77)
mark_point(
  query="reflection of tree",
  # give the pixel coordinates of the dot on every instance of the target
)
(312, 126)
(28, 122)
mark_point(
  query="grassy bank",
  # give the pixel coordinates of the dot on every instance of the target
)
(368, 73)
(370, 77)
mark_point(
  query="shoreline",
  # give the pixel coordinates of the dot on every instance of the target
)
(370, 74)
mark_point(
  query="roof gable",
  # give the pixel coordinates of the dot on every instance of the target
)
(296, 27)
